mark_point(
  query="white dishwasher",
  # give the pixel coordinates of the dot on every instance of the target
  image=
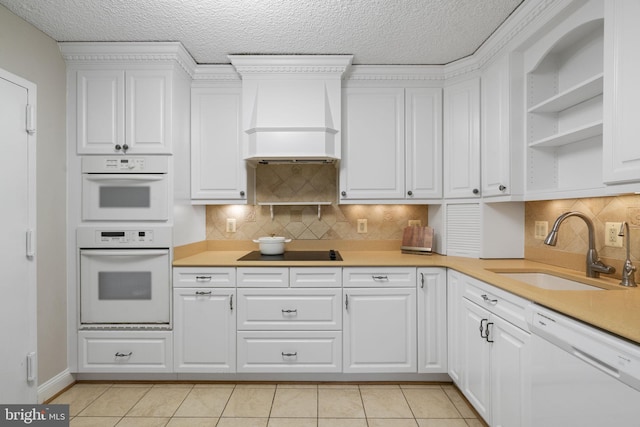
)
(581, 376)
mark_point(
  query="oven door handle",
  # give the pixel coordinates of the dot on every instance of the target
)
(125, 177)
(124, 252)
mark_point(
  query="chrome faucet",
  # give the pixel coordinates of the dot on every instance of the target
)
(594, 265)
(628, 269)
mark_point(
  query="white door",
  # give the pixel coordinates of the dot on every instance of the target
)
(17, 217)
(380, 330)
(204, 330)
(477, 357)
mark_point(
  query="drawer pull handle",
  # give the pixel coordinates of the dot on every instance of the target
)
(481, 328)
(294, 354)
(488, 300)
(422, 280)
(118, 354)
(203, 292)
(290, 311)
(231, 302)
(203, 278)
(486, 332)
(380, 277)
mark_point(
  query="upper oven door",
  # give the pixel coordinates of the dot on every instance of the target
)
(125, 197)
(124, 286)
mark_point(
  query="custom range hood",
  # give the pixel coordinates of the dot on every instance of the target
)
(291, 106)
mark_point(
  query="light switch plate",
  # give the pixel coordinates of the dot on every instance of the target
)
(231, 225)
(362, 225)
(542, 229)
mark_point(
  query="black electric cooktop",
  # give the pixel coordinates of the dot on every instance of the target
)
(329, 255)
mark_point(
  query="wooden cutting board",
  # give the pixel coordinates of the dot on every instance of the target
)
(417, 239)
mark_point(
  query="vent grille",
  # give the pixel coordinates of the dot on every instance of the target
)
(463, 230)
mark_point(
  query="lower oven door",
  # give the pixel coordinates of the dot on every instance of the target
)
(125, 197)
(125, 287)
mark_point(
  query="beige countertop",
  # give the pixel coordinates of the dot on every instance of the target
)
(616, 310)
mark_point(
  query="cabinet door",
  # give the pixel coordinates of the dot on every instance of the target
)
(148, 111)
(462, 140)
(100, 111)
(476, 384)
(432, 320)
(204, 330)
(510, 374)
(621, 150)
(423, 112)
(379, 330)
(455, 341)
(372, 165)
(218, 171)
(495, 129)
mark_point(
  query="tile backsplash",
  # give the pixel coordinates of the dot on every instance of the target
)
(573, 239)
(308, 183)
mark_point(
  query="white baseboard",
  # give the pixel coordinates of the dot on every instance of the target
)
(55, 385)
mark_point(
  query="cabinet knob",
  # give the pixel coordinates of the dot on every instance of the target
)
(242, 194)
(409, 193)
(476, 191)
(502, 187)
(344, 194)
(118, 147)
(125, 147)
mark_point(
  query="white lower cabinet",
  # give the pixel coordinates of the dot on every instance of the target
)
(125, 351)
(285, 325)
(289, 351)
(379, 324)
(432, 320)
(495, 360)
(204, 329)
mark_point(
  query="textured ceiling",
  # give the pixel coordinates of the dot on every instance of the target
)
(374, 31)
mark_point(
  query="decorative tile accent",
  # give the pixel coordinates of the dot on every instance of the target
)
(308, 183)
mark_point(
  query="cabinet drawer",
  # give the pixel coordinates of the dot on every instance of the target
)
(309, 277)
(267, 277)
(188, 277)
(502, 303)
(289, 351)
(125, 351)
(379, 277)
(289, 309)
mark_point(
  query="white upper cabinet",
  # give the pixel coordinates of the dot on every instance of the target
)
(462, 139)
(564, 122)
(621, 148)
(391, 144)
(218, 170)
(122, 111)
(127, 98)
(423, 135)
(502, 154)
(372, 165)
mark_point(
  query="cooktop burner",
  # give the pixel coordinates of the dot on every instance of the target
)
(329, 255)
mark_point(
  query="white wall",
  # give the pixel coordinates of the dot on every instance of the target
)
(31, 54)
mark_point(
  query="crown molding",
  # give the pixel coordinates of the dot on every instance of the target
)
(395, 72)
(216, 73)
(158, 52)
(328, 65)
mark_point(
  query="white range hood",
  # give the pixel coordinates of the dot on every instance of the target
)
(291, 106)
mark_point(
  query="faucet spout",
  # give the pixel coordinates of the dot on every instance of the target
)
(628, 269)
(594, 265)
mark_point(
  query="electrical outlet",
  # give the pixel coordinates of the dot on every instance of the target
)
(231, 225)
(415, 222)
(362, 225)
(611, 238)
(541, 230)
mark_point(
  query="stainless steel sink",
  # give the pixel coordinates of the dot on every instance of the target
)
(552, 282)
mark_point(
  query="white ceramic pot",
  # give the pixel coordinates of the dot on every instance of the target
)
(272, 245)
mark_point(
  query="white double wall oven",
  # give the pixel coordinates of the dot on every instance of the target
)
(124, 243)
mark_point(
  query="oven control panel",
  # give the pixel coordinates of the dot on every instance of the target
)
(128, 237)
(120, 164)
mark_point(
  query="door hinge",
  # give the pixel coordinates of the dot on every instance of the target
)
(31, 366)
(31, 119)
(30, 251)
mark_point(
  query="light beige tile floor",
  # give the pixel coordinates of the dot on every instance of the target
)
(267, 405)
